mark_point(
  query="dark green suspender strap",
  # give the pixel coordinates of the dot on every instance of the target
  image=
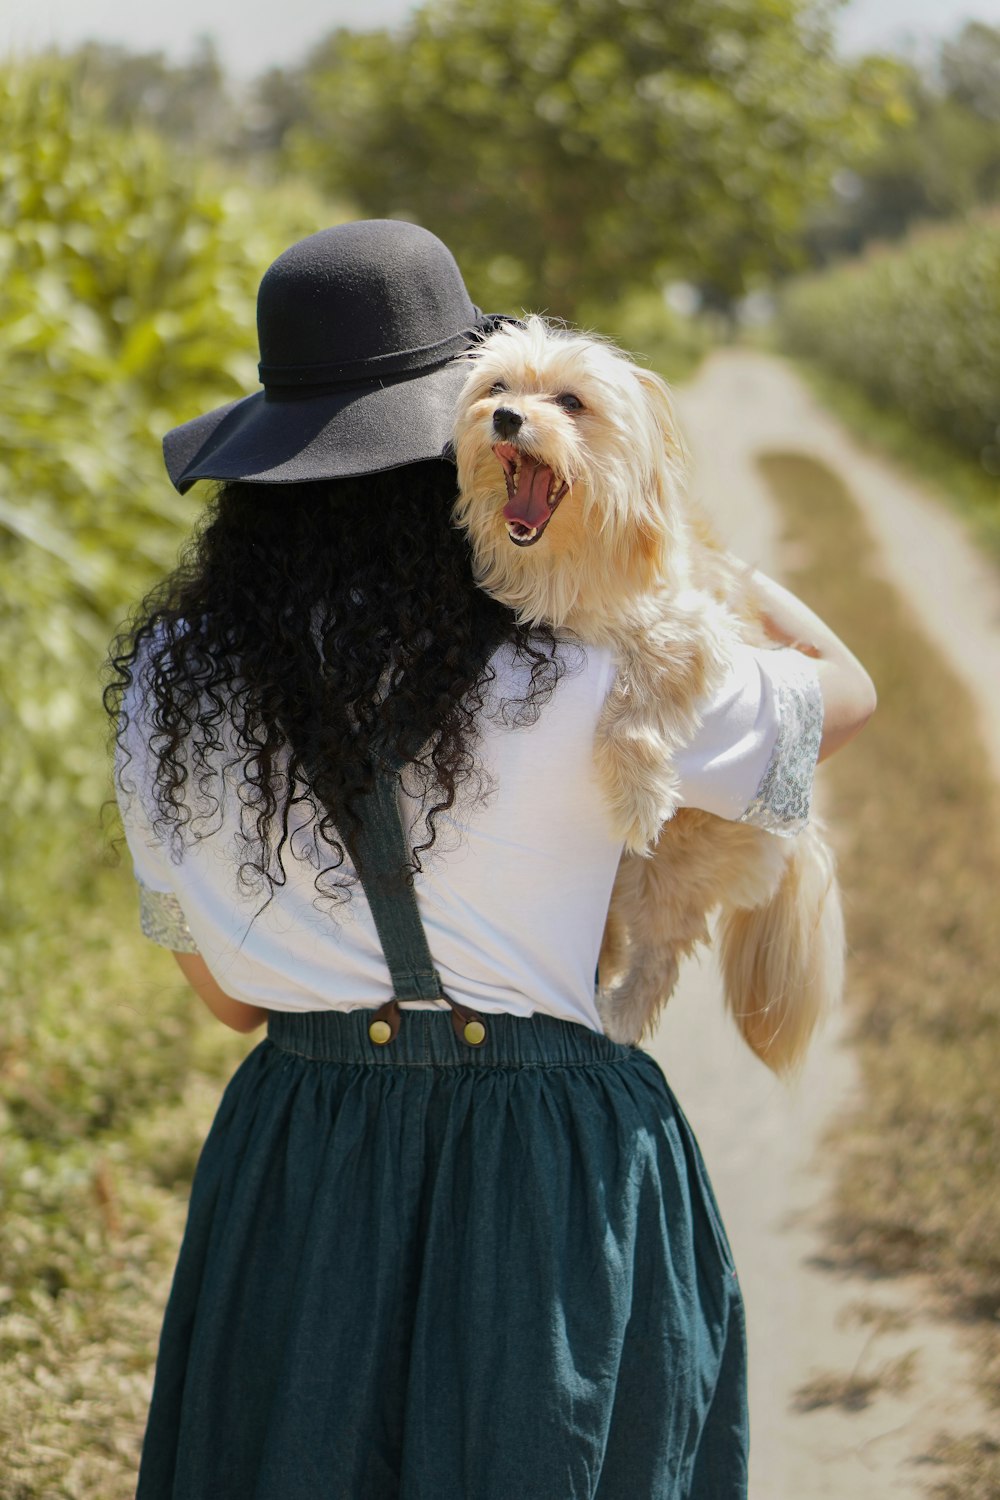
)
(379, 851)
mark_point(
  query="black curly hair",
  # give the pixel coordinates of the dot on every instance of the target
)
(323, 622)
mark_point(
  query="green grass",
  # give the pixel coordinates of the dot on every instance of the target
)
(916, 815)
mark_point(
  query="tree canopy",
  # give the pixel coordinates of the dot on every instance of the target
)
(566, 152)
(938, 158)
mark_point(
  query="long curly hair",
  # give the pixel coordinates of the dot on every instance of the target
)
(315, 625)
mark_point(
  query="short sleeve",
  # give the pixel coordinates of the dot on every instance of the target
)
(161, 917)
(754, 757)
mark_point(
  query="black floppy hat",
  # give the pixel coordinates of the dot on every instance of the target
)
(360, 328)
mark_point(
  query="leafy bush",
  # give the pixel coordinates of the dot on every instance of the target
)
(917, 328)
(127, 286)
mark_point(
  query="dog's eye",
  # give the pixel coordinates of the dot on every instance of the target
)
(569, 402)
(498, 388)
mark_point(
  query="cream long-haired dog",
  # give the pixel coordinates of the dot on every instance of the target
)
(571, 480)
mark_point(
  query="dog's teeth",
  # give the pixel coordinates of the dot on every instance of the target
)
(521, 533)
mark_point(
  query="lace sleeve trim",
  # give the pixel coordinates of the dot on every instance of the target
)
(163, 921)
(782, 800)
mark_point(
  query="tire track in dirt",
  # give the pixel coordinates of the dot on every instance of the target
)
(762, 1139)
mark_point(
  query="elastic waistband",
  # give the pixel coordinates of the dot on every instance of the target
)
(426, 1038)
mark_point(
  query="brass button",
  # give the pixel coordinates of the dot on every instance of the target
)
(380, 1032)
(474, 1033)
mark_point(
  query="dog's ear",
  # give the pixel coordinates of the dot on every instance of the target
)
(663, 451)
(660, 405)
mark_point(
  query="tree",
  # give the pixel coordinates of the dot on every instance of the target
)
(187, 102)
(277, 105)
(565, 152)
(970, 69)
(939, 158)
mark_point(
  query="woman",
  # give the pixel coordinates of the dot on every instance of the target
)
(465, 1249)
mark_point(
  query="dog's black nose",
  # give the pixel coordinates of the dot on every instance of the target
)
(506, 420)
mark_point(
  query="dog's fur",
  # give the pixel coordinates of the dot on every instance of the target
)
(624, 560)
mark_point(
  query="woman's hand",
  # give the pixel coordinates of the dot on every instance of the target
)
(233, 1013)
(848, 692)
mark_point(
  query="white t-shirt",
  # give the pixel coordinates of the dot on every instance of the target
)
(514, 893)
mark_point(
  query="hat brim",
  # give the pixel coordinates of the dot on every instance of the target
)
(359, 431)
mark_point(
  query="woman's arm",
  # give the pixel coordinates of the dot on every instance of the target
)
(848, 692)
(234, 1013)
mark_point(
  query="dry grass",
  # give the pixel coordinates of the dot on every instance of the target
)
(109, 1076)
(871, 1375)
(931, 461)
(856, 1389)
(920, 861)
(975, 1465)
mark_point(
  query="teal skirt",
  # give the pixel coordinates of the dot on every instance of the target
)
(427, 1271)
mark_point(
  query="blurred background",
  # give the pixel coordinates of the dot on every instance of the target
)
(813, 180)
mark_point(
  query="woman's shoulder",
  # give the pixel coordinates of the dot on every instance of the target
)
(591, 668)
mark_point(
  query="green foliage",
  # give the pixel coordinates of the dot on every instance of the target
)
(127, 286)
(970, 69)
(917, 328)
(938, 156)
(566, 153)
(185, 102)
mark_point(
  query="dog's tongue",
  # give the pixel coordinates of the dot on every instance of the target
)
(529, 504)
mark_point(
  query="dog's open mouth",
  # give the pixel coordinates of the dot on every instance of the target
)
(533, 492)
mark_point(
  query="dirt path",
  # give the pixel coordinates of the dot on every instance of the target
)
(761, 1139)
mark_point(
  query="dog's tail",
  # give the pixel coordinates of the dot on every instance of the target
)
(783, 962)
